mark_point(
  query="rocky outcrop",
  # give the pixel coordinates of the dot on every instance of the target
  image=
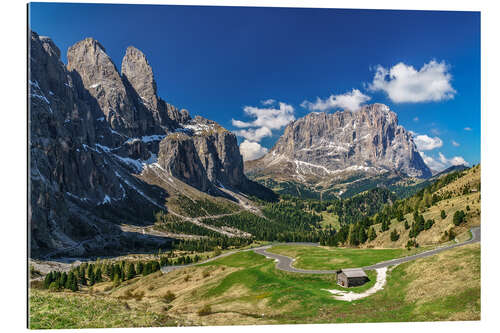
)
(179, 156)
(368, 140)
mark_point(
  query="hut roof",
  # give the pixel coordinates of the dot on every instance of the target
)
(354, 272)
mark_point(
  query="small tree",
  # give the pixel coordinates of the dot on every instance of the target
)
(407, 226)
(48, 280)
(394, 235)
(372, 234)
(205, 310)
(130, 271)
(443, 214)
(168, 297)
(458, 217)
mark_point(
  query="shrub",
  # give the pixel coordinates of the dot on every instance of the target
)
(139, 295)
(54, 286)
(205, 274)
(168, 297)
(205, 310)
(394, 235)
(458, 217)
(443, 214)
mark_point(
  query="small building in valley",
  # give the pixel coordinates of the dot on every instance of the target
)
(351, 277)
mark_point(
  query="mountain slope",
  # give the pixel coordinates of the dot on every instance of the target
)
(95, 136)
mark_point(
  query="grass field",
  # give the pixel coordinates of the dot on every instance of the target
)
(308, 257)
(245, 288)
(330, 219)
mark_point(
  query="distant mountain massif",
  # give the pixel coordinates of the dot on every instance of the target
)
(341, 153)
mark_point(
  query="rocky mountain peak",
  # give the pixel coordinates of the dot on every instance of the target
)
(138, 72)
(327, 144)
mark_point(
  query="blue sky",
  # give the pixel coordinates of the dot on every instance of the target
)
(235, 65)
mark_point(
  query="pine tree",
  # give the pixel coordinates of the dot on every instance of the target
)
(98, 275)
(394, 235)
(139, 267)
(48, 280)
(372, 234)
(130, 271)
(64, 279)
(362, 237)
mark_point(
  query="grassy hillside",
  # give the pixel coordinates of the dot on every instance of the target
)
(245, 288)
(463, 192)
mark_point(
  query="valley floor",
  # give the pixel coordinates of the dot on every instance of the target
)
(246, 288)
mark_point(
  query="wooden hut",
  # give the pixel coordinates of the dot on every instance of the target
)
(351, 277)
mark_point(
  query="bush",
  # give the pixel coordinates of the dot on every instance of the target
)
(394, 235)
(458, 217)
(451, 235)
(443, 214)
(205, 274)
(205, 310)
(168, 297)
(54, 286)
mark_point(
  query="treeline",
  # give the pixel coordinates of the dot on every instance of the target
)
(88, 274)
(362, 205)
(171, 223)
(211, 244)
(283, 222)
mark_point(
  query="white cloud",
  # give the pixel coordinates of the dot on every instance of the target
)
(468, 129)
(456, 160)
(266, 120)
(255, 134)
(349, 101)
(251, 150)
(425, 142)
(416, 119)
(432, 163)
(404, 84)
(455, 144)
(442, 162)
(271, 118)
(268, 101)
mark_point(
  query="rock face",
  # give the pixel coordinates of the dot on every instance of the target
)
(369, 140)
(93, 133)
(179, 156)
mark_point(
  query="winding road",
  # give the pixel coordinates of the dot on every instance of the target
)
(285, 263)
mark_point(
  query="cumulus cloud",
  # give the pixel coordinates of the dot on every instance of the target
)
(416, 119)
(404, 84)
(272, 118)
(251, 150)
(349, 101)
(432, 163)
(425, 142)
(255, 134)
(456, 160)
(455, 144)
(468, 129)
(442, 162)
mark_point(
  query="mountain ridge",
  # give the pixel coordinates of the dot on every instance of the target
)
(94, 132)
